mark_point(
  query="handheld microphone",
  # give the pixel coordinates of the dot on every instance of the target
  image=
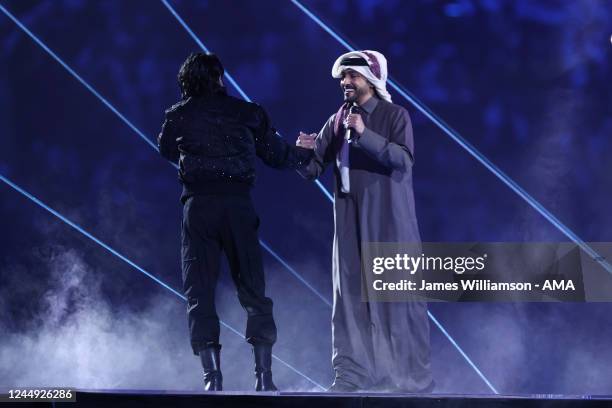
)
(349, 131)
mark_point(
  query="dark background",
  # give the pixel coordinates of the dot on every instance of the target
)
(526, 82)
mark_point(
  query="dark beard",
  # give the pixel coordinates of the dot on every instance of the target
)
(357, 92)
(351, 99)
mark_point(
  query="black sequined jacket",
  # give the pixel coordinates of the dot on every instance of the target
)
(215, 140)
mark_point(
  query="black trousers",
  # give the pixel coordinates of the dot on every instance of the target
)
(213, 224)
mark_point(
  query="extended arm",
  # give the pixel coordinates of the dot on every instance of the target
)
(323, 154)
(274, 150)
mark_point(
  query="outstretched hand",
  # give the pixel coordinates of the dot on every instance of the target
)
(306, 141)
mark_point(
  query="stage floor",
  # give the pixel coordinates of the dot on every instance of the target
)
(120, 399)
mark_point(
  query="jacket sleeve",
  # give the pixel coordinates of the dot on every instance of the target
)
(396, 152)
(273, 150)
(323, 152)
(166, 141)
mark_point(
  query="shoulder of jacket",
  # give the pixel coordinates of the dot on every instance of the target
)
(174, 109)
(244, 106)
(255, 107)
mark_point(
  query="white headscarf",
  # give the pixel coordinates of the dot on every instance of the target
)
(375, 71)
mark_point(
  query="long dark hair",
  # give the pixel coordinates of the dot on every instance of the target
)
(199, 75)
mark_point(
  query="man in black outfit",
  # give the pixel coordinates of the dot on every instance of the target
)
(215, 138)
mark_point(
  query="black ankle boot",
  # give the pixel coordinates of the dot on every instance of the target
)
(211, 362)
(263, 367)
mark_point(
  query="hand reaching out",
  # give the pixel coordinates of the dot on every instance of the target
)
(306, 141)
